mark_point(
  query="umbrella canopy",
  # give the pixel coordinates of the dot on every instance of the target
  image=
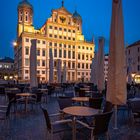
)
(100, 65)
(116, 85)
(51, 66)
(59, 71)
(33, 64)
(64, 74)
(94, 69)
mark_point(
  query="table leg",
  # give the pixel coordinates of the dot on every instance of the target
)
(74, 129)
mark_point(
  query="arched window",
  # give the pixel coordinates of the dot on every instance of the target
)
(26, 16)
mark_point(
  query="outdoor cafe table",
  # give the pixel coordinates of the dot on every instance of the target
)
(80, 111)
(80, 99)
(26, 97)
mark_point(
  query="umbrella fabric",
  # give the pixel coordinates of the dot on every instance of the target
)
(100, 74)
(116, 85)
(59, 71)
(33, 64)
(64, 74)
(51, 66)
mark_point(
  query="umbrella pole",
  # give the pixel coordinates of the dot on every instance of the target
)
(115, 117)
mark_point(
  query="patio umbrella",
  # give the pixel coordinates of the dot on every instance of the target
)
(33, 64)
(64, 74)
(59, 71)
(94, 69)
(100, 65)
(116, 84)
(51, 66)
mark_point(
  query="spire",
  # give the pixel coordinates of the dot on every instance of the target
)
(62, 3)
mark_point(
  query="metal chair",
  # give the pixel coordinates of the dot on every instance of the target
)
(95, 103)
(100, 126)
(55, 126)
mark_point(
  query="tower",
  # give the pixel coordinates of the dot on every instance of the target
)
(25, 16)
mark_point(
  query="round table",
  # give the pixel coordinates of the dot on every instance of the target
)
(79, 111)
(25, 96)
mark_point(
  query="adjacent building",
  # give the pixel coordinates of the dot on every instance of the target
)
(133, 61)
(62, 32)
(7, 68)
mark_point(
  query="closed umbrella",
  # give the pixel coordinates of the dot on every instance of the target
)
(59, 71)
(100, 65)
(51, 67)
(64, 74)
(33, 64)
(94, 69)
(116, 84)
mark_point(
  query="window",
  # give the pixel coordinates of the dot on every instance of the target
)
(73, 31)
(60, 37)
(43, 42)
(27, 39)
(86, 66)
(55, 36)
(50, 27)
(83, 57)
(65, 29)
(60, 53)
(60, 45)
(73, 65)
(60, 29)
(79, 56)
(65, 45)
(78, 47)
(69, 30)
(43, 53)
(55, 44)
(38, 72)
(55, 63)
(69, 38)
(43, 72)
(26, 62)
(83, 47)
(73, 39)
(78, 73)
(73, 55)
(65, 37)
(50, 44)
(27, 50)
(38, 62)
(50, 35)
(87, 48)
(55, 52)
(78, 65)
(65, 54)
(69, 54)
(55, 28)
(26, 71)
(83, 65)
(86, 57)
(91, 48)
(38, 41)
(73, 47)
(69, 46)
(38, 52)
(69, 65)
(43, 63)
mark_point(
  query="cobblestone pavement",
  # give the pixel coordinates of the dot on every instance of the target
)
(31, 126)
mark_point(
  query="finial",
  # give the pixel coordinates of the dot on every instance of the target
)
(62, 3)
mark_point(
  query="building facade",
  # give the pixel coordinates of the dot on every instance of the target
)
(106, 66)
(62, 33)
(7, 69)
(133, 61)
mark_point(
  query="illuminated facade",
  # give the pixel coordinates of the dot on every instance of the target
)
(133, 61)
(62, 32)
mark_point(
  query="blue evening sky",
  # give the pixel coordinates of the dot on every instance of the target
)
(96, 15)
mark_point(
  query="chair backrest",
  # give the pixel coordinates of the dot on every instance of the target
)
(47, 118)
(95, 103)
(102, 123)
(64, 102)
(108, 107)
(9, 108)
